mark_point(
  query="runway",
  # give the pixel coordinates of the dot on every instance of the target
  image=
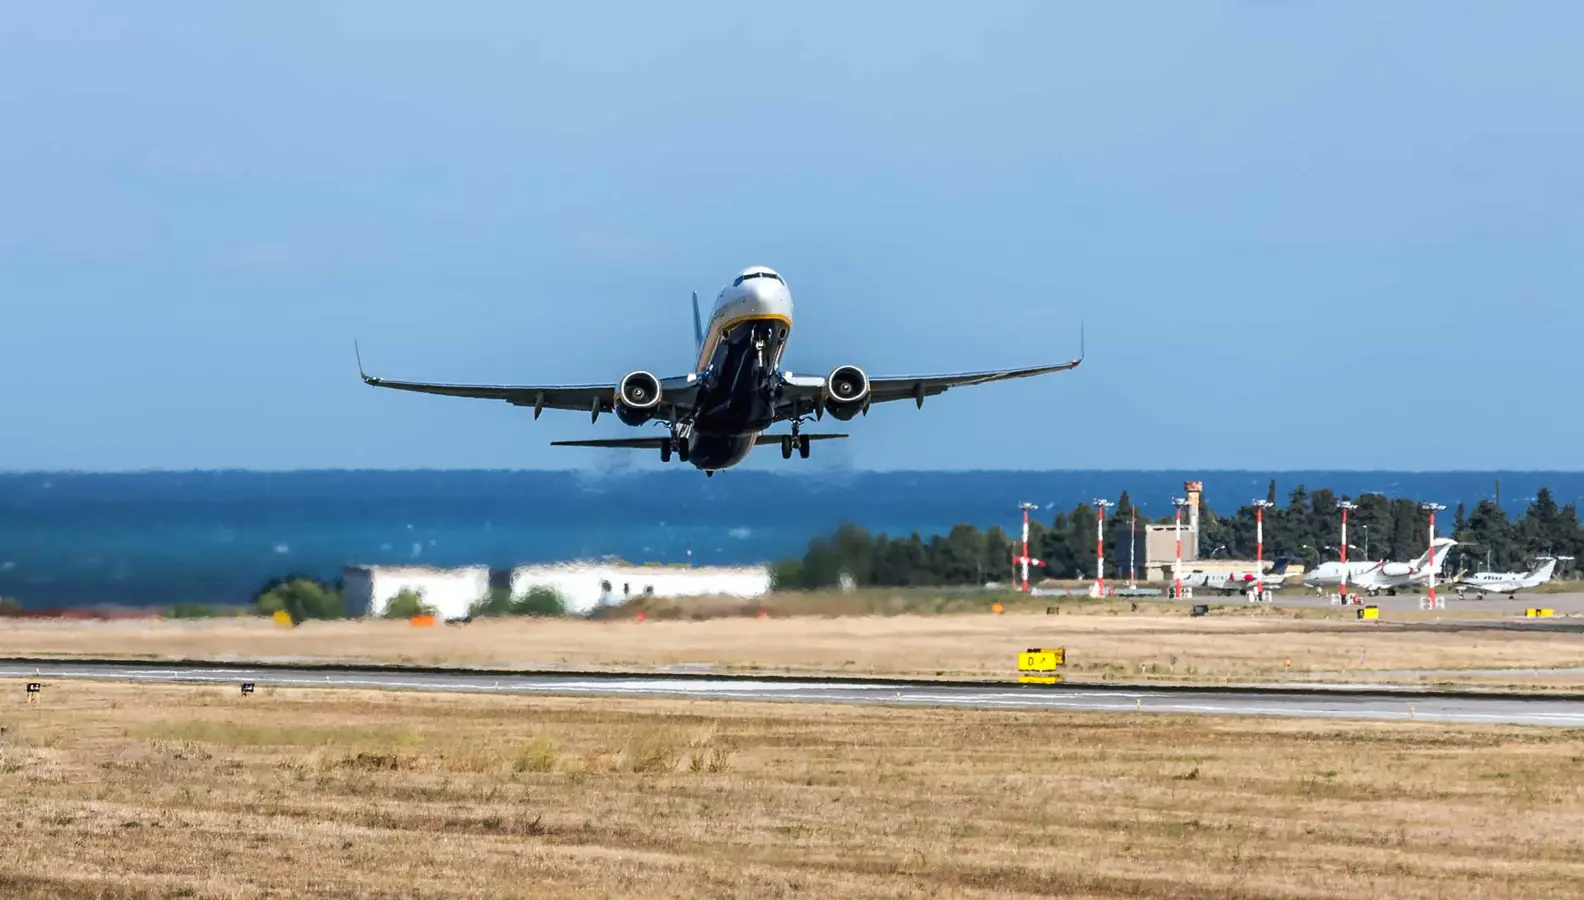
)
(1341, 703)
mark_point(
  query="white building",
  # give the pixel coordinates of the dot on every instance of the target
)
(584, 586)
(451, 592)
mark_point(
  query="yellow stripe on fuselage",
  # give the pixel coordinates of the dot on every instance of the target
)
(720, 327)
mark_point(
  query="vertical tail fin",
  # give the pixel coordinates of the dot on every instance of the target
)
(698, 327)
(1542, 572)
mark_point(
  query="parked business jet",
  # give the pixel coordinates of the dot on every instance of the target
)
(1239, 582)
(1373, 577)
(719, 412)
(1509, 583)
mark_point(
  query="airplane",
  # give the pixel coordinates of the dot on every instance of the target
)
(1233, 582)
(1509, 583)
(718, 413)
(1374, 577)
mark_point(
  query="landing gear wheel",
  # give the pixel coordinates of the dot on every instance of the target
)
(803, 445)
(682, 449)
(786, 448)
(665, 452)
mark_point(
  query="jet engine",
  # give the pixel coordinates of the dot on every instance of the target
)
(1396, 569)
(637, 398)
(846, 392)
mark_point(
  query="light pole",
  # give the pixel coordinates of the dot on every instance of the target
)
(1177, 567)
(1132, 541)
(1346, 505)
(1432, 507)
(1259, 546)
(1024, 559)
(1100, 508)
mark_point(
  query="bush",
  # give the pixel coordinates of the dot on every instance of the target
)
(539, 601)
(406, 604)
(302, 597)
(787, 575)
(539, 754)
(202, 611)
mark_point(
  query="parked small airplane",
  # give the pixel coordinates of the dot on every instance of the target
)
(719, 412)
(1235, 582)
(1509, 583)
(1372, 577)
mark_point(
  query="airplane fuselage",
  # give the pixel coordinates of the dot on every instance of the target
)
(741, 353)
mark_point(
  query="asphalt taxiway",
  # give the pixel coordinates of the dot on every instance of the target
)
(1341, 702)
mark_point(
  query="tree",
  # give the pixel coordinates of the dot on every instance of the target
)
(406, 604)
(302, 597)
(541, 600)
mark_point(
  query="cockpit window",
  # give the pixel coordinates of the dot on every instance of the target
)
(770, 275)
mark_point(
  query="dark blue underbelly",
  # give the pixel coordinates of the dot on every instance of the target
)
(735, 400)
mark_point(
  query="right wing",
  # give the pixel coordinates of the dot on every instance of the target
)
(802, 392)
(675, 393)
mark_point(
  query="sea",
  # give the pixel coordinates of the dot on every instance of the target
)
(153, 538)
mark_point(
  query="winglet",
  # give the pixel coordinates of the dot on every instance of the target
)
(698, 327)
(1080, 343)
(367, 379)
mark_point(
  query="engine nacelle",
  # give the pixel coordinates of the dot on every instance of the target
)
(846, 392)
(1396, 569)
(637, 398)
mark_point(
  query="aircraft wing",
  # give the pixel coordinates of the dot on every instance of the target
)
(802, 392)
(677, 392)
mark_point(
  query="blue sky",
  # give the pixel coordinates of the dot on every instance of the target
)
(1360, 220)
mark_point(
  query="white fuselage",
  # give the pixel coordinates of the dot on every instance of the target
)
(756, 294)
(1507, 582)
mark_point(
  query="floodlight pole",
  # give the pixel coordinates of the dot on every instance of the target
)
(1432, 507)
(1132, 542)
(1177, 567)
(1345, 505)
(1024, 559)
(1100, 508)
(1259, 546)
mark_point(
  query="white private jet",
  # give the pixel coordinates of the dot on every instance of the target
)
(738, 389)
(1238, 582)
(1509, 583)
(1372, 577)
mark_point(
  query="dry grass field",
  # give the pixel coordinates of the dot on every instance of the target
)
(1104, 641)
(126, 792)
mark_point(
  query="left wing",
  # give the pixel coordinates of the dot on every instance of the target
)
(675, 393)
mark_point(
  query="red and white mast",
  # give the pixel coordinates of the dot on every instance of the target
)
(1100, 508)
(1025, 560)
(1177, 568)
(1132, 540)
(1431, 565)
(1259, 546)
(1345, 507)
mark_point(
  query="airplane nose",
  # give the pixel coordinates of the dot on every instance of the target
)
(762, 290)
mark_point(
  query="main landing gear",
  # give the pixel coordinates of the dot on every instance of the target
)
(678, 444)
(800, 441)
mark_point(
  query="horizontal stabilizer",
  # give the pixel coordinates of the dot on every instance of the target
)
(655, 443)
(764, 439)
